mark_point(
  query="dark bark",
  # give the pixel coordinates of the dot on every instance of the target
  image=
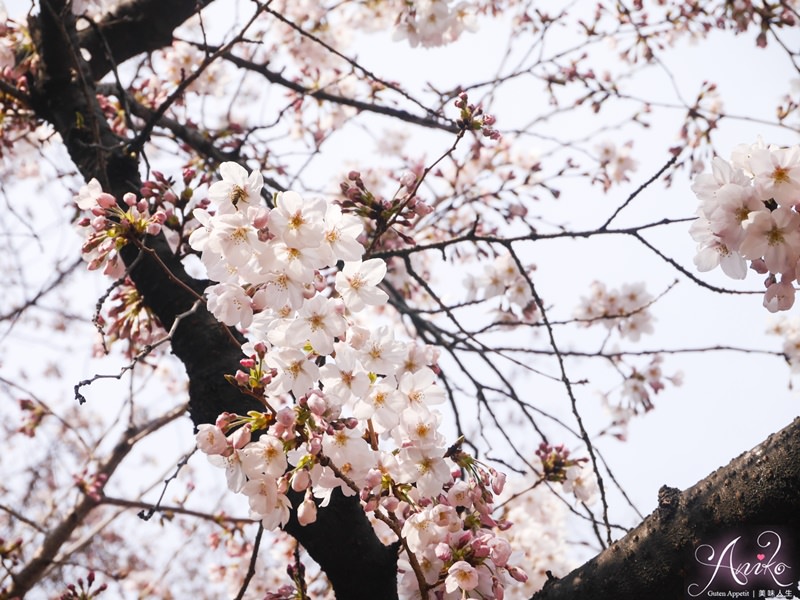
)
(132, 28)
(336, 538)
(760, 487)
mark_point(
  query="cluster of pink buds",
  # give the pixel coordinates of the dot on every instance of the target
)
(472, 118)
(575, 478)
(255, 375)
(91, 485)
(83, 590)
(556, 461)
(131, 320)
(114, 114)
(113, 225)
(455, 537)
(10, 552)
(34, 413)
(403, 209)
(161, 190)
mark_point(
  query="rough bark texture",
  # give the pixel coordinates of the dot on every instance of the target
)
(132, 28)
(760, 487)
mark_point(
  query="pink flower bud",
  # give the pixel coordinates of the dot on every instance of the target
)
(421, 209)
(300, 480)
(285, 416)
(242, 378)
(242, 436)
(283, 484)
(500, 551)
(498, 590)
(105, 200)
(390, 503)
(373, 478)
(317, 405)
(153, 228)
(224, 420)
(498, 483)
(443, 551)
(408, 179)
(261, 219)
(307, 511)
(517, 574)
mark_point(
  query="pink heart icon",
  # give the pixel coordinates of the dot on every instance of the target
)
(760, 556)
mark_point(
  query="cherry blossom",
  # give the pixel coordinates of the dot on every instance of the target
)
(775, 236)
(298, 221)
(582, 482)
(357, 283)
(777, 174)
(238, 190)
(461, 575)
(747, 212)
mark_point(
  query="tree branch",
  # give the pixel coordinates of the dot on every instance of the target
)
(758, 487)
(26, 578)
(132, 28)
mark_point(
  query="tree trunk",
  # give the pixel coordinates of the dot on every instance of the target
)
(760, 487)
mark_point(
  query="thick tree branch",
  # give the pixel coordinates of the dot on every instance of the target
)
(758, 487)
(132, 28)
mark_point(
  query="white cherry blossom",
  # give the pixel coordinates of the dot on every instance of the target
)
(357, 284)
(237, 190)
(298, 221)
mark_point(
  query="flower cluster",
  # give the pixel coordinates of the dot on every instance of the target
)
(131, 320)
(110, 228)
(346, 407)
(455, 541)
(434, 22)
(748, 212)
(575, 478)
(625, 310)
(183, 59)
(473, 118)
(615, 163)
(503, 278)
(384, 215)
(635, 394)
(789, 330)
